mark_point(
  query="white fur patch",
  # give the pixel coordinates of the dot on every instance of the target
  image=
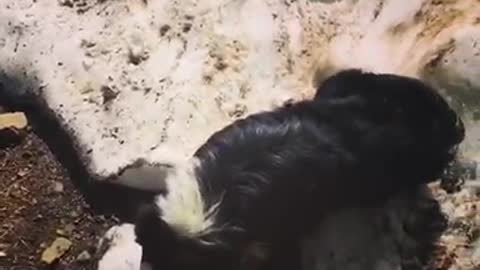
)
(123, 252)
(183, 207)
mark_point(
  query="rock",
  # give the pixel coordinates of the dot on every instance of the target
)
(164, 29)
(11, 128)
(84, 256)
(108, 94)
(56, 250)
(22, 173)
(74, 214)
(58, 187)
(16, 120)
(61, 232)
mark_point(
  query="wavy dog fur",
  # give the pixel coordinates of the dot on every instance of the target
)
(272, 176)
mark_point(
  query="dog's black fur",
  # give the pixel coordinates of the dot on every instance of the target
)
(363, 138)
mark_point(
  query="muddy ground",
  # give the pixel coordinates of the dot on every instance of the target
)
(38, 203)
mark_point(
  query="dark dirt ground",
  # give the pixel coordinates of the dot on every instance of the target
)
(38, 202)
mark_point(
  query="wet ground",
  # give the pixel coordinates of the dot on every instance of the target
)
(39, 203)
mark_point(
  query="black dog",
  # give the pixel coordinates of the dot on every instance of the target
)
(259, 184)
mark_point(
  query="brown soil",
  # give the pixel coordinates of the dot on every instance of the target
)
(39, 203)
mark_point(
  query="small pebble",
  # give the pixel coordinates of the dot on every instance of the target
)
(74, 214)
(22, 173)
(16, 120)
(84, 256)
(58, 187)
(164, 29)
(56, 250)
(108, 94)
